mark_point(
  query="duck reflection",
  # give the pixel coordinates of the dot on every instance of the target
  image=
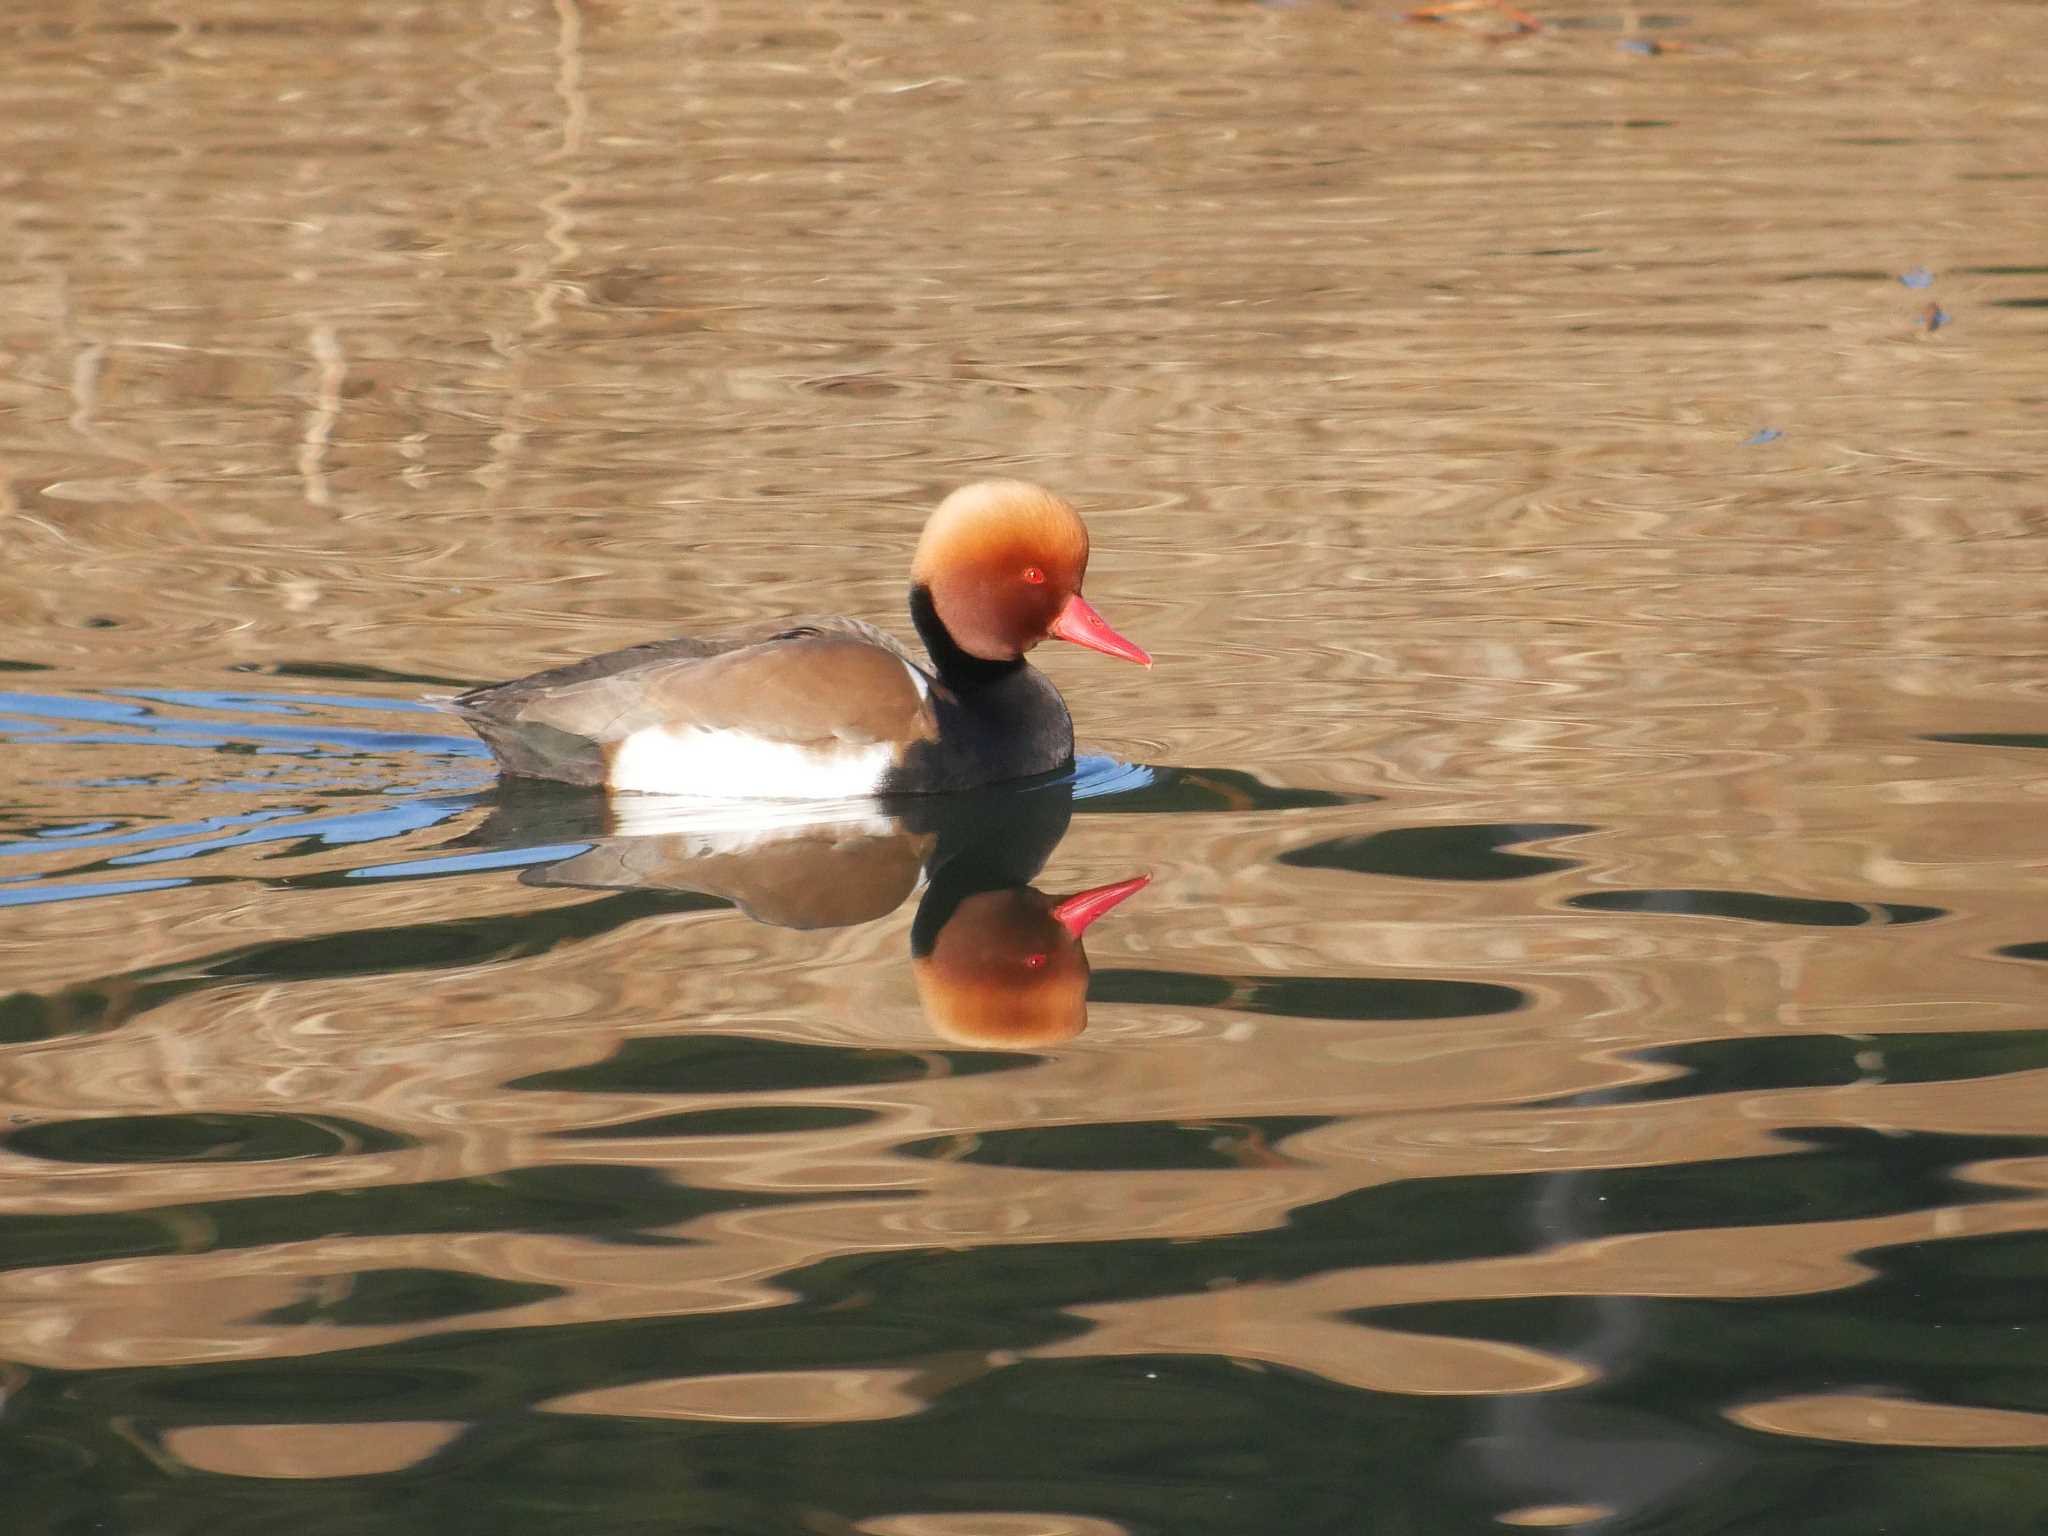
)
(1006, 967)
(996, 961)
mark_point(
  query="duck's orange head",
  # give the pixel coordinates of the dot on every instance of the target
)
(1003, 561)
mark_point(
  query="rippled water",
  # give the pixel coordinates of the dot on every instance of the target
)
(1578, 1060)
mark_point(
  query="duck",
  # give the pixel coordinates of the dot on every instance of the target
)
(830, 707)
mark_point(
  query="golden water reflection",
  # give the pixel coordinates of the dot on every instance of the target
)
(1865, 1420)
(308, 1450)
(1613, 920)
(794, 1397)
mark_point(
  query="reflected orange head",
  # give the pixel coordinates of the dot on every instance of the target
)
(1008, 967)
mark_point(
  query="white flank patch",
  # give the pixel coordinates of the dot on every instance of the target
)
(734, 765)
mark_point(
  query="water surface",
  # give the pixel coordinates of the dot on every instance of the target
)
(1578, 1061)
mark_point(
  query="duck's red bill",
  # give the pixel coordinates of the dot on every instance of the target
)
(1082, 908)
(1081, 624)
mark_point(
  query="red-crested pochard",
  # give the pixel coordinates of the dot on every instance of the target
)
(830, 708)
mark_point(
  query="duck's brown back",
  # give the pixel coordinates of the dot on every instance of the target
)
(827, 683)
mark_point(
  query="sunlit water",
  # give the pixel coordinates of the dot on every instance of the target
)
(1579, 1059)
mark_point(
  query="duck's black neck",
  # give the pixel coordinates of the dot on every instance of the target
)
(956, 668)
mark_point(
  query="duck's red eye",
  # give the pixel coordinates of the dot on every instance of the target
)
(1034, 575)
(1035, 962)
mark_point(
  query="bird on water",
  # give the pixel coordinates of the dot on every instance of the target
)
(832, 707)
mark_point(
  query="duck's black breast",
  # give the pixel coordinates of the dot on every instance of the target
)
(997, 720)
(1008, 727)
